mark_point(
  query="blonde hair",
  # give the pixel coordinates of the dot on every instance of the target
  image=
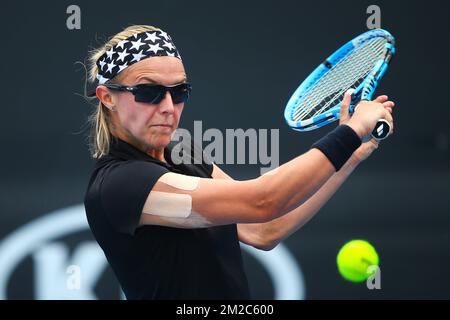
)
(100, 122)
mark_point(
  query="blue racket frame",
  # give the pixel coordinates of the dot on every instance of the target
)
(364, 91)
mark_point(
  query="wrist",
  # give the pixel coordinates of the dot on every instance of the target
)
(356, 127)
(339, 145)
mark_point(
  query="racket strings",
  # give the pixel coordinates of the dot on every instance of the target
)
(347, 73)
(317, 98)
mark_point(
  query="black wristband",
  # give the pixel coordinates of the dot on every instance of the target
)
(339, 145)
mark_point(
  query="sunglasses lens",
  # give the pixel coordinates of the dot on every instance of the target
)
(154, 94)
(149, 94)
(181, 93)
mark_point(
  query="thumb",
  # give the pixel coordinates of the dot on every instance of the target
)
(345, 105)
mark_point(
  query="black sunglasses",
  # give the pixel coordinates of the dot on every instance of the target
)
(150, 93)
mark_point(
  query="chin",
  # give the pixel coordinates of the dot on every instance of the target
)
(160, 142)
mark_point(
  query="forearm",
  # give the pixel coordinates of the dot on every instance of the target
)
(296, 181)
(280, 228)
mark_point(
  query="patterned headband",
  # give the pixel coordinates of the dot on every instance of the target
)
(134, 49)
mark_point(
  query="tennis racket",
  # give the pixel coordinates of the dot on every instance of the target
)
(359, 65)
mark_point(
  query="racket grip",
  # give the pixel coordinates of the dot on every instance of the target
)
(381, 130)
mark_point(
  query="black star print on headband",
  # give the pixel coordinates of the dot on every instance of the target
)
(134, 49)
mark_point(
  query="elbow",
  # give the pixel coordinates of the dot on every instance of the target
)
(268, 239)
(264, 211)
(266, 246)
(265, 241)
(257, 239)
(269, 209)
(266, 206)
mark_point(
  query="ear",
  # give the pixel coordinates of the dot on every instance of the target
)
(105, 96)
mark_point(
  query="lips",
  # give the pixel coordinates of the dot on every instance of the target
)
(166, 128)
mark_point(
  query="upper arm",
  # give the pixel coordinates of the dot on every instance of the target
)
(183, 201)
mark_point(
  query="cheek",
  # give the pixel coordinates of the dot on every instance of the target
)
(134, 115)
(177, 112)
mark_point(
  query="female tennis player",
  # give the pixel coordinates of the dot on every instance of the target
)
(172, 231)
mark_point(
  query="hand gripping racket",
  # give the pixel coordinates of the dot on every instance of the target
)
(359, 65)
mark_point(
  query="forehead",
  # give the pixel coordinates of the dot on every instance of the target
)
(162, 70)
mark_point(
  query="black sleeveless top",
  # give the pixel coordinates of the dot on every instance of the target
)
(157, 262)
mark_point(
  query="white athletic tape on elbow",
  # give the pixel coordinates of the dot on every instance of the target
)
(171, 205)
(180, 181)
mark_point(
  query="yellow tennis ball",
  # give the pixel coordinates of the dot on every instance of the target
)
(354, 258)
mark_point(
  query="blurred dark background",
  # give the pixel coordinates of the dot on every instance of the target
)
(244, 59)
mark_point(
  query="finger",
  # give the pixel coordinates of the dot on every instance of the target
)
(381, 98)
(388, 117)
(375, 142)
(345, 105)
(389, 104)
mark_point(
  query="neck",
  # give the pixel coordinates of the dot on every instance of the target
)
(152, 152)
(155, 153)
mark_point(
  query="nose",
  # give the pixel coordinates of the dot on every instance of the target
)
(166, 104)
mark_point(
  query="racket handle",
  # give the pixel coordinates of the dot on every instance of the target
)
(381, 130)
